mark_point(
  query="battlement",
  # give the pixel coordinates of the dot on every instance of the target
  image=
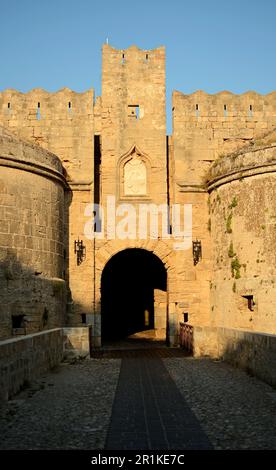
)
(224, 104)
(61, 122)
(41, 104)
(133, 54)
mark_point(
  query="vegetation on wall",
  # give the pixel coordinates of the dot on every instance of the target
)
(234, 203)
(231, 252)
(235, 268)
(229, 223)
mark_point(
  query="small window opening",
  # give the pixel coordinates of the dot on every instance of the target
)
(250, 302)
(186, 317)
(83, 318)
(250, 112)
(9, 105)
(38, 105)
(18, 321)
(225, 110)
(134, 111)
(123, 59)
(147, 57)
(197, 110)
(69, 105)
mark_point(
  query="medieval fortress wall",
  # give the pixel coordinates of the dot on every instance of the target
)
(32, 238)
(62, 123)
(208, 126)
(120, 141)
(242, 221)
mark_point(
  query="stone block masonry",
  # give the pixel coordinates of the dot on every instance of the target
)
(117, 146)
(32, 242)
(25, 358)
(22, 359)
(253, 352)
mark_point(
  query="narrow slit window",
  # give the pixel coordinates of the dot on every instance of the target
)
(69, 105)
(123, 59)
(147, 57)
(225, 110)
(38, 115)
(186, 317)
(197, 110)
(83, 318)
(250, 111)
(9, 105)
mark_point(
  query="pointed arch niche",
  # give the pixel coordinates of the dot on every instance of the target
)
(134, 175)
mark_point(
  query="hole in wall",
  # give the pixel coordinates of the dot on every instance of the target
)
(250, 302)
(17, 321)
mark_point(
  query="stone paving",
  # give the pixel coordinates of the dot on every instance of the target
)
(68, 409)
(236, 411)
(71, 408)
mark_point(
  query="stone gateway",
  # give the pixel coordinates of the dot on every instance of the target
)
(62, 152)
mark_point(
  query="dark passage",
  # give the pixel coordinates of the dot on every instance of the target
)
(149, 412)
(128, 283)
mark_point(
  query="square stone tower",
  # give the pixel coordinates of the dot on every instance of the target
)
(133, 123)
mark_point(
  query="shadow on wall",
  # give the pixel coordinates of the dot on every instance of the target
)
(256, 359)
(68, 196)
(29, 301)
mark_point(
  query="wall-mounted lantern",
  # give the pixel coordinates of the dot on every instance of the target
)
(79, 251)
(197, 251)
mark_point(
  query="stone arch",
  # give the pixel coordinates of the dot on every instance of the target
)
(134, 295)
(134, 175)
(163, 250)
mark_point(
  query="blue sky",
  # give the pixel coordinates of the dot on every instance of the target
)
(211, 45)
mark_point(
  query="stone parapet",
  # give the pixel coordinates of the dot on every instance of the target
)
(24, 358)
(253, 352)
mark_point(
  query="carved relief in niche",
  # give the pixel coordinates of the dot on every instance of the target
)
(135, 177)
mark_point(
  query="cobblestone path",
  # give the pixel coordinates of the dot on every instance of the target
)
(187, 403)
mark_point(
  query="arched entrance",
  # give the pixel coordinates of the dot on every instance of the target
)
(133, 295)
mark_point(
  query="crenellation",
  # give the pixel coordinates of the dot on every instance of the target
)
(67, 150)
